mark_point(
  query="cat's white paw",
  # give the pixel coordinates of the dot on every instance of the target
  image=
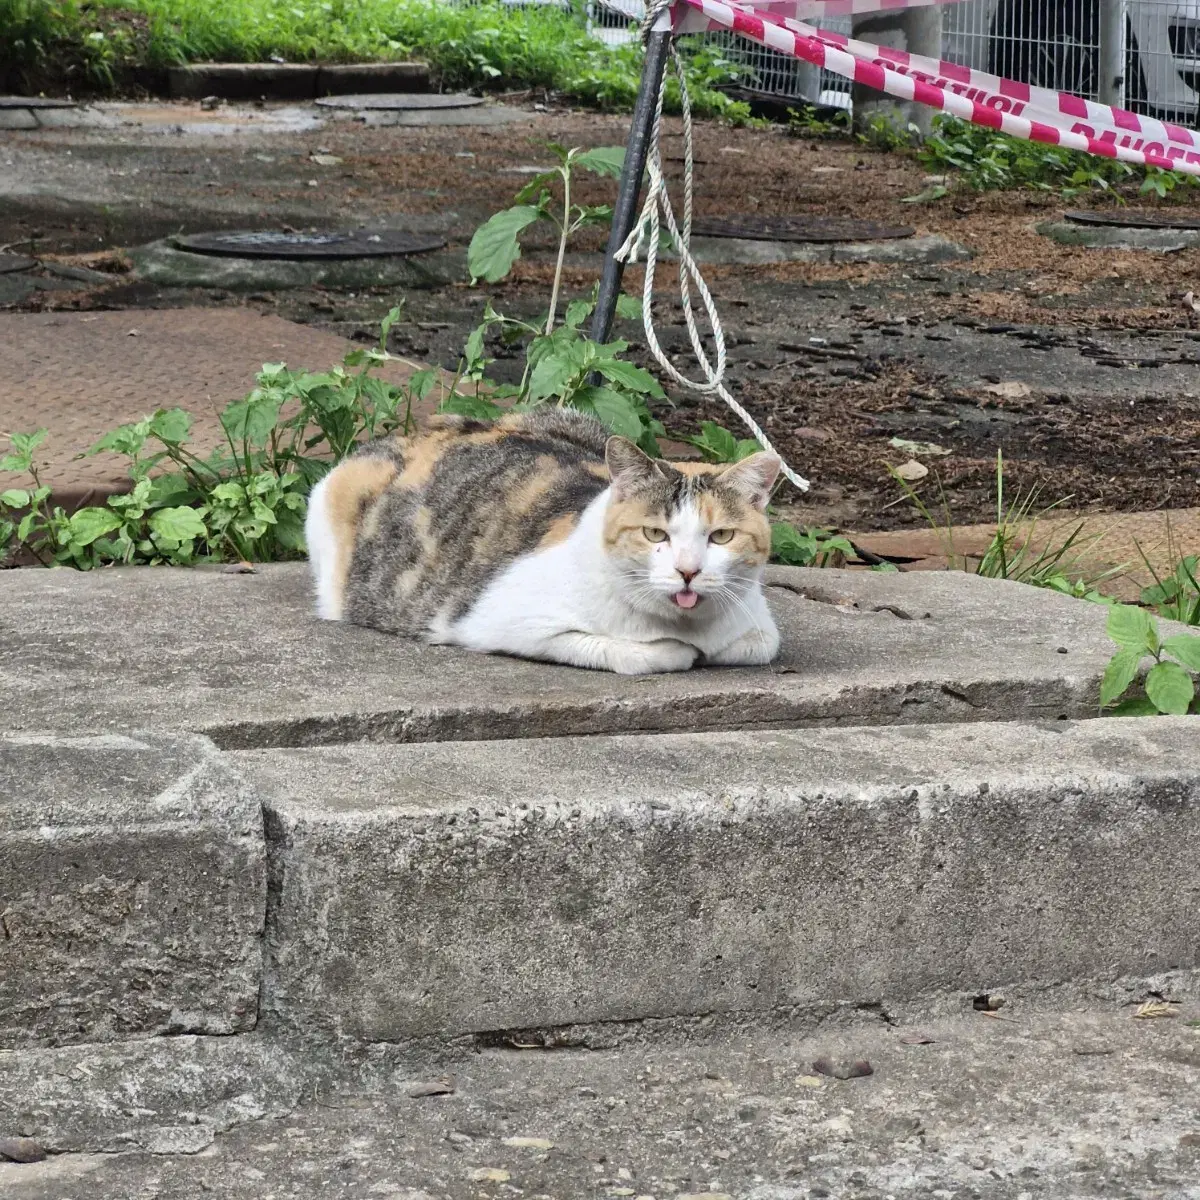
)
(650, 658)
(757, 647)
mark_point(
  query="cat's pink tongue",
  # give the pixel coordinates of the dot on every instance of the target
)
(686, 599)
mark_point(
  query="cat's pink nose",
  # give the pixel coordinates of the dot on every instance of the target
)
(688, 576)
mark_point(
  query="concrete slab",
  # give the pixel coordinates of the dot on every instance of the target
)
(341, 78)
(1108, 237)
(168, 266)
(1046, 1105)
(241, 658)
(244, 81)
(133, 890)
(162, 1095)
(439, 890)
(486, 115)
(744, 251)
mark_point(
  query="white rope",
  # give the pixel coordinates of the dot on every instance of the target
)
(656, 211)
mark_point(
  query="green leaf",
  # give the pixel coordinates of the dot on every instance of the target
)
(1185, 647)
(627, 375)
(619, 412)
(604, 160)
(1170, 688)
(1136, 706)
(1119, 674)
(26, 443)
(421, 383)
(1132, 628)
(471, 406)
(88, 524)
(385, 326)
(171, 425)
(629, 308)
(228, 493)
(14, 498)
(554, 372)
(791, 547)
(577, 312)
(126, 439)
(716, 442)
(473, 350)
(177, 524)
(534, 187)
(251, 420)
(495, 248)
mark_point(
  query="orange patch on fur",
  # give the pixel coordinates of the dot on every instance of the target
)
(422, 454)
(697, 468)
(352, 486)
(560, 529)
(545, 475)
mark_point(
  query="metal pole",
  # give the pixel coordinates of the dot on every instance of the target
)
(630, 186)
(1112, 53)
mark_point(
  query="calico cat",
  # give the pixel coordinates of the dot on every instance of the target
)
(539, 535)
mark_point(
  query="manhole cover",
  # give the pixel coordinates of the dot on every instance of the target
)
(10, 263)
(269, 243)
(34, 102)
(399, 100)
(1133, 220)
(799, 229)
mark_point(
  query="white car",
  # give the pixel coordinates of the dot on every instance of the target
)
(1053, 43)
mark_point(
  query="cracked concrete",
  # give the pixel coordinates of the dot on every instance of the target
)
(974, 649)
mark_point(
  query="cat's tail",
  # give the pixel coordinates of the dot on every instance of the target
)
(335, 510)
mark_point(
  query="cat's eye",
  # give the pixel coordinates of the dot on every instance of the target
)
(721, 536)
(653, 534)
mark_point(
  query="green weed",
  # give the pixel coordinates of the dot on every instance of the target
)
(1169, 686)
(984, 160)
(484, 45)
(244, 500)
(1012, 553)
(1175, 596)
(562, 365)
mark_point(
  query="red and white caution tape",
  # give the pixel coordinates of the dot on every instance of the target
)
(800, 9)
(1022, 111)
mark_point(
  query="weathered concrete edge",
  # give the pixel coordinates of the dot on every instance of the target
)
(573, 886)
(132, 889)
(192, 1089)
(293, 81)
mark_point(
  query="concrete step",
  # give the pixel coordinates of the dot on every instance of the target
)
(241, 658)
(437, 890)
(293, 81)
(132, 890)
(1074, 1101)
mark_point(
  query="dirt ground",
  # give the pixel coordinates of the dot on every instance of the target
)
(1079, 365)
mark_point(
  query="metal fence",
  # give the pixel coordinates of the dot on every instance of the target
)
(1050, 43)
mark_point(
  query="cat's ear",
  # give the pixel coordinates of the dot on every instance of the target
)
(753, 478)
(628, 467)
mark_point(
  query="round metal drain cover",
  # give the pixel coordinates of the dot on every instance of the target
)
(34, 102)
(1133, 220)
(398, 101)
(799, 229)
(10, 263)
(270, 243)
